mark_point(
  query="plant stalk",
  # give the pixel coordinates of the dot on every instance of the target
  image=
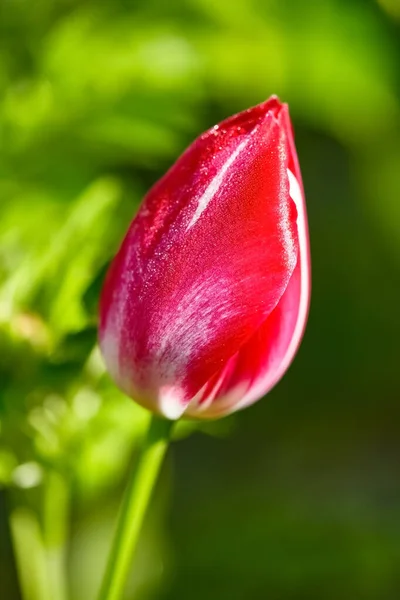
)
(137, 496)
(56, 519)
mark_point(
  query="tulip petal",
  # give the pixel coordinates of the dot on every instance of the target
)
(262, 361)
(205, 264)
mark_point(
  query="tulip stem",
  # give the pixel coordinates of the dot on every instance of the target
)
(133, 509)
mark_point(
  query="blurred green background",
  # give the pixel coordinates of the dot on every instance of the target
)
(296, 498)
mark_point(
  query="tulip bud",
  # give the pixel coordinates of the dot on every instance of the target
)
(205, 304)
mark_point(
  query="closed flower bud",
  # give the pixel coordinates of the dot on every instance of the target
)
(205, 304)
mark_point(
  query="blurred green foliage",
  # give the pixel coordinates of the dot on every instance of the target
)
(97, 99)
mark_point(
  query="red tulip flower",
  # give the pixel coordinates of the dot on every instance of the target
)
(205, 304)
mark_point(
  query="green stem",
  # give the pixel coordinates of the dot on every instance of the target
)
(30, 555)
(133, 509)
(55, 526)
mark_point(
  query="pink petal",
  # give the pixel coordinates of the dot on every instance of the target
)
(202, 305)
(264, 359)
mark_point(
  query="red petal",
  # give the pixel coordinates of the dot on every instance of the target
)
(263, 360)
(205, 262)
